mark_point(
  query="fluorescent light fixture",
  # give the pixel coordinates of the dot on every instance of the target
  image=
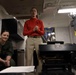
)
(67, 10)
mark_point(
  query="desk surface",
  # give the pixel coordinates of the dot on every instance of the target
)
(18, 69)
(57, 47)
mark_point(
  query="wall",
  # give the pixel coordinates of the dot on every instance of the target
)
(61, 22)
(62, 34)
(71, 31)
(51, 18)
(20, 28)
(72, 34)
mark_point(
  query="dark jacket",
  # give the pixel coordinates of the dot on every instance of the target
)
(6, 49)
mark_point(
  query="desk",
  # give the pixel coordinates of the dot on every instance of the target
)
(47, 50)
(57, 57)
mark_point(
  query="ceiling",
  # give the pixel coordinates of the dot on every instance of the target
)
(21, 8)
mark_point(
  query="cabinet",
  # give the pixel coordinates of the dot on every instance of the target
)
(58, 59)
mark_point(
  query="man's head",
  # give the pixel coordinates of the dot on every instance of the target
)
(33, 12)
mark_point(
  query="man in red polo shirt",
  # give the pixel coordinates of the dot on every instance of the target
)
(34, 29)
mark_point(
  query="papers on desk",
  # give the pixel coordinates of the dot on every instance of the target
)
(18, 69)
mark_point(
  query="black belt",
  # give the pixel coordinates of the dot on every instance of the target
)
(34, 36)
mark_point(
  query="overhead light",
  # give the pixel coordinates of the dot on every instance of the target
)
(67, 10)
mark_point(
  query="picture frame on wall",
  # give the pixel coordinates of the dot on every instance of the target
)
(49, 34)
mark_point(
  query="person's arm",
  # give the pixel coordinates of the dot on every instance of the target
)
(10, 50)
(9, 54)
(41, 29)
(1, 60)
(7, 61)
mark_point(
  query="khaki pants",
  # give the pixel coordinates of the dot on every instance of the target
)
(31, 44)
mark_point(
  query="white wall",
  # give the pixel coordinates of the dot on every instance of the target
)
(62, 34)
(51, 18)
(22, 44)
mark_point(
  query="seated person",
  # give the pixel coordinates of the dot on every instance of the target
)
(6, 51)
